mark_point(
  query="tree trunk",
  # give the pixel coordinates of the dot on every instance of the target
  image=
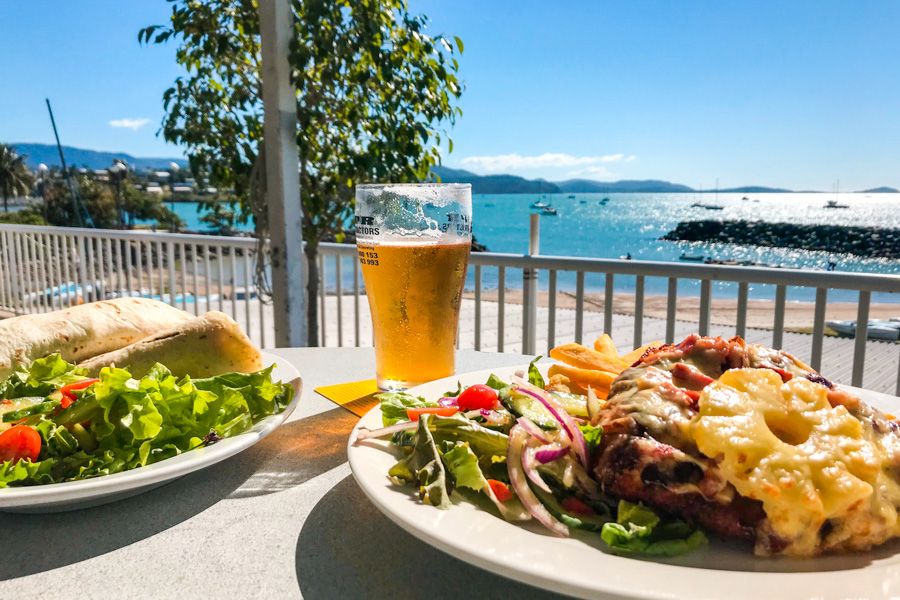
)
(312, 292)
(5, 203)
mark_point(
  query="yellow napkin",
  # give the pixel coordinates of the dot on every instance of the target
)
(355, 396)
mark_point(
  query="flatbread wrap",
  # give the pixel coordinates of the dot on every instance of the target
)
(204, 346)
(81, 332)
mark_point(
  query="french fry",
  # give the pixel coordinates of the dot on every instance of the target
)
(599, 380)
(605, 345)
(586, 358)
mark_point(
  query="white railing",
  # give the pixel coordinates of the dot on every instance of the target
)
(45, 268)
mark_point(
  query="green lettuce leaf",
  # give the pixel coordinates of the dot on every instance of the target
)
(496, 383)
(135, 422)
(40, 378)
(592, 436)
(639, 530)
(482, 441)
(534, 375)
(394, 405)
(463, 466)
(425, 468)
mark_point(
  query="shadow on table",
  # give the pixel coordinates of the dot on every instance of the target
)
(298, 451)
(293, 454)
(347, 549)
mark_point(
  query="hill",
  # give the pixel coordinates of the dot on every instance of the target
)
(89, 159)
(752, 189)
(880, 190)
(495, 184)
(576, 186)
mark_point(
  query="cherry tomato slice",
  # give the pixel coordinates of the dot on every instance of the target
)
(500, 489)
(574, 505)
(19, 442)
(476, 397)
(413, 414)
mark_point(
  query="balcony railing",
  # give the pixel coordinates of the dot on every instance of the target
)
(559, 299)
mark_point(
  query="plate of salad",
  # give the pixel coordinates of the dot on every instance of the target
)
(69, 440)
(490, 468)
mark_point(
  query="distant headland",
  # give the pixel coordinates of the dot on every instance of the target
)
(481, 184)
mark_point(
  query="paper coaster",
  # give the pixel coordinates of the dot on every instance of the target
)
(355, 396)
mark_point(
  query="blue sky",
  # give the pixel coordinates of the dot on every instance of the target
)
(792, 94)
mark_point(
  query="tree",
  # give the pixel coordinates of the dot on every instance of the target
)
(99, 200)
(15, 178)
(220, 219)
(374, 91)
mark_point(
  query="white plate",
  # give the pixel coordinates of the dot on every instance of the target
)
(71, 495)
(580, 566)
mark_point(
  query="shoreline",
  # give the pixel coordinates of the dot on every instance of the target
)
(798, 315)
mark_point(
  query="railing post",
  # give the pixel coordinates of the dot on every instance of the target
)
(276, 25)
(530, 290)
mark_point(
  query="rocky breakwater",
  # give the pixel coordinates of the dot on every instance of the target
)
(874, 242)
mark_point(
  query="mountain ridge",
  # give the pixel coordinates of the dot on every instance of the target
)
(481, 184)
(47, 154)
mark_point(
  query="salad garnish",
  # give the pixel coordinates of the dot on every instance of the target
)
(60, 425)
(529, 451)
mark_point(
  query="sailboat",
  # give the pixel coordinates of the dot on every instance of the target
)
(715, 206)
(834, 203)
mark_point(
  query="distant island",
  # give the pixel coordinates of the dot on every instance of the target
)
(881, 190)
(35, 154)
(481, 184)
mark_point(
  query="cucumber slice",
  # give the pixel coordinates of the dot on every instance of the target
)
(523, 405)
(575, 404)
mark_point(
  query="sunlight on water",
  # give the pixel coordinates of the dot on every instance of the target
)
(633, 223)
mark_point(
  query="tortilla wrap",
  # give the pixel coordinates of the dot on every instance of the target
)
(83, 331)
(204, 346)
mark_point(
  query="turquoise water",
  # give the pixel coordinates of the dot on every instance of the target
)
(633, 223)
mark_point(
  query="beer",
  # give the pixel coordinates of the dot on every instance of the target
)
(414, 292)
(413, 242)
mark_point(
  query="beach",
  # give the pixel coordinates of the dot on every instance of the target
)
(798, 315)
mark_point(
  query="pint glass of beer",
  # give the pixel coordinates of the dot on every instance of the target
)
(413, 242)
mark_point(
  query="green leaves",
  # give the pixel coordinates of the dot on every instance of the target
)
(375, 93)
(40, 377)
(638, 530)
(463, 466)
(134, 422)
(534, 375)
(425, 468)
(592, 436)
(394, 405)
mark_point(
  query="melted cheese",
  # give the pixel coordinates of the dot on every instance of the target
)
(807, 462)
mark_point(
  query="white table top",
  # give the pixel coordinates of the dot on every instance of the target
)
(283, 519)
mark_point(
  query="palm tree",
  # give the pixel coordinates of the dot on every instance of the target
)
(15, 178)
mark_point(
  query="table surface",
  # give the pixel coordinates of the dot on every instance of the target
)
(285, 518)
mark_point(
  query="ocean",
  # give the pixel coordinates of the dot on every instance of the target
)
(633, 223)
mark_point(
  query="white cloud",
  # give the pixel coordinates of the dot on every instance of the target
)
(516, 162)
(133, 124)
(630, 158)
